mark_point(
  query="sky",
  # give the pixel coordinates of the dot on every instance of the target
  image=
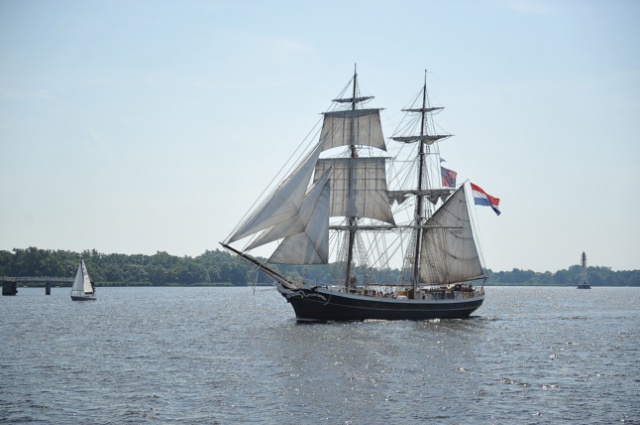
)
(135, 127)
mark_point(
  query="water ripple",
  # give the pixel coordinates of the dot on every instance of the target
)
(229, 355)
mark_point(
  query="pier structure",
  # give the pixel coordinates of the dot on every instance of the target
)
(10, 284)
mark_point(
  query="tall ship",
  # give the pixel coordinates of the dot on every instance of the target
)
(354, 205)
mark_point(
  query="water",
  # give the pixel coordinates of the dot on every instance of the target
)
(530, 355)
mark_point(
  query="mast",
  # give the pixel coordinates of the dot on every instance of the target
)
(420, 204)
(415, 261)
(351, 220)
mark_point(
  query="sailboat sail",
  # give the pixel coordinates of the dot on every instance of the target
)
(284, 203)
(358, 187)
(449, 252)
(82, 281)
(82, 289)
(307, 236)
(353, 127)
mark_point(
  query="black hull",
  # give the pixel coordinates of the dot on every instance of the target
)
(318, 304)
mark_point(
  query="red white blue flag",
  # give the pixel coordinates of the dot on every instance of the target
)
(480, 197)
(448, 177)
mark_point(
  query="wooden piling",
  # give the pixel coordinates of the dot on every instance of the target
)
(9, 287)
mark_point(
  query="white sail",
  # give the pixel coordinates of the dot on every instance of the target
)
(311, 244)
(358, 187)
(82, 282)
(302, 219)
(353, 127)
(449, 252)
(284, 203)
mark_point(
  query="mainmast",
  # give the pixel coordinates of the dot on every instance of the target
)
(424, 140)
(419, 217)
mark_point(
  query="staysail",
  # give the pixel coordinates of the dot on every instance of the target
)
(283, 205)
(307, 234)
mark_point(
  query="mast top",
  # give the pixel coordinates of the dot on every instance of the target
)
(354, 100)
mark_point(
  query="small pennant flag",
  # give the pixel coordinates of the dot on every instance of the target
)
(448, 177)
(480, 197)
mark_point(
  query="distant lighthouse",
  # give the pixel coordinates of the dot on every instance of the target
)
(584, 284)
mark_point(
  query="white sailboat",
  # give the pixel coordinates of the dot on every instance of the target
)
(352, 205)
(82, 289)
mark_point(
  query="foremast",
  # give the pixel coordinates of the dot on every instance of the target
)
(358, 184)
(298, 211)
(353, 153)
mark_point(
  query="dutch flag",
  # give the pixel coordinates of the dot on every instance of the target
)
(481, 197)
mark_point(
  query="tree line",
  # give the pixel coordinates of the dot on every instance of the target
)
(221, 268)
(596, 276)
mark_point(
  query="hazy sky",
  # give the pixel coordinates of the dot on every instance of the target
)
(144, 126)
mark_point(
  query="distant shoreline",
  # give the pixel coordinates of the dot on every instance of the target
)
(221, 268)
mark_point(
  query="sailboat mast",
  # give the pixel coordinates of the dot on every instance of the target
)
(351, 220)
(420, 201)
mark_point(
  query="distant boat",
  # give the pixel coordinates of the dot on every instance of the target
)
(82, 289)
(429, 221)
(584, 284)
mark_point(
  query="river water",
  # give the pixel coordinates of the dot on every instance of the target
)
(529, 355)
